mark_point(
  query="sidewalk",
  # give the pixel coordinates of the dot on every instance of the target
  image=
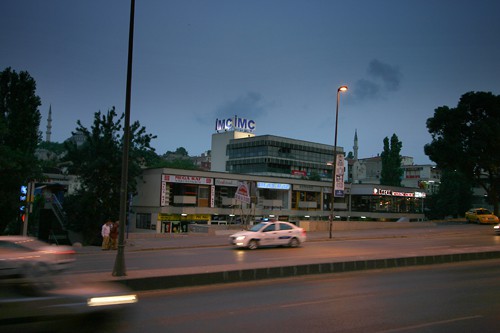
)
(141, 280)
(176, 241)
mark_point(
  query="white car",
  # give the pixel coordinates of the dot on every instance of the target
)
(69, 306)
(31, 259)
(273, 233)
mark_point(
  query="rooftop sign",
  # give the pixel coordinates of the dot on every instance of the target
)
(234, 124)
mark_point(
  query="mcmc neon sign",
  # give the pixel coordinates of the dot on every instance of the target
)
(232, 124)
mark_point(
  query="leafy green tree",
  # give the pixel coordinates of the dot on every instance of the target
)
(19, 137)
(453, 194)
(181, 151)
(391, 162)
(56, 151)
(178, 159)
(97, 163)
(57, 148)
(467, 139)
(177, 163)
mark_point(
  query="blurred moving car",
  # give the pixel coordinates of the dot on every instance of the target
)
(30, 259)
(480, 215)
(66, 307)
(34, 297)
(273, 233)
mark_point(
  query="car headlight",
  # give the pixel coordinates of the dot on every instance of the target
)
(496, 227)
(112, 300)
(240, 238)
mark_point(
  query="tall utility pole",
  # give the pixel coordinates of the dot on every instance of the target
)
(119, 269)
(334, 172)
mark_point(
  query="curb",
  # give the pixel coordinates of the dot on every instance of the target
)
(254, 274)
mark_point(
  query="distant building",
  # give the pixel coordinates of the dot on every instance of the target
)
(204, 161)
(270, 155)
(78, 138)
(219, 143)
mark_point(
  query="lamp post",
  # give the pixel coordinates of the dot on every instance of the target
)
(119, 268)
(334, 173)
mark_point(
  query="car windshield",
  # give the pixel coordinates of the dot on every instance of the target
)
(259, 226)
(22, 244)
(483, 212)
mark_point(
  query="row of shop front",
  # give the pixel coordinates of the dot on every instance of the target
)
(194, 197)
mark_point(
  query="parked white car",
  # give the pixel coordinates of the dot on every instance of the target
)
(273, 233)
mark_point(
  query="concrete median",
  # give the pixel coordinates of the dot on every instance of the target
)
(252, 274)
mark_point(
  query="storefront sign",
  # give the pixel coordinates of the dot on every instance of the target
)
(273, 186)
(188, 217)
(212, 196)
(339, 176)
(402, 194)
(307, 188)
(242, 193)
(165, 194)
(234, 124)
(299, 173)
(187, 179)
(380, 191)
(227, 182)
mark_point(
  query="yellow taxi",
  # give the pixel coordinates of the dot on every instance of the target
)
(481, 216)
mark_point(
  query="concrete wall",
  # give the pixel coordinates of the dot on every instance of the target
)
(351, 225)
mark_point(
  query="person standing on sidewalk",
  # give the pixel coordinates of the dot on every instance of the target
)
(105, 232)
(115, 227)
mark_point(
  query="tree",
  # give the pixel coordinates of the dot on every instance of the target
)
(391, 162)
(54, 151)
(181, 151)
(97, 163)
(178, 163)
(453, 194)
(19, 137)
(466, 139)
(178, 159)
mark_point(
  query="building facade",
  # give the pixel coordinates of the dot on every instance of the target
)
(169, 200)
(271, 155)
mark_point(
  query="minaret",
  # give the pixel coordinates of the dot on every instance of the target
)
(355, 147)
(49, 125)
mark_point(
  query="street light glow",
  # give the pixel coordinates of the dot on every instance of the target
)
(334, 171)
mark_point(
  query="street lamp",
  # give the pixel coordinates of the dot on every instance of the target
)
(119, 268)
(334, 173)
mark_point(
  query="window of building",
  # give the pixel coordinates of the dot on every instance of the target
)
(143, 221)
(305, 200)
(203, 196)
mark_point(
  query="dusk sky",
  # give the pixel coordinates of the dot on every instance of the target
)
(278, 62)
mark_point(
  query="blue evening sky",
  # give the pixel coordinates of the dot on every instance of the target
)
(278, 62)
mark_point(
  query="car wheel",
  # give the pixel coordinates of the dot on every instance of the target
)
(253, 244)
(38, 274)
(36, 270)
(294, 242)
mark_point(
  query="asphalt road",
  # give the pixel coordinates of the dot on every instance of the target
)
(458, 297)
(449, 239)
